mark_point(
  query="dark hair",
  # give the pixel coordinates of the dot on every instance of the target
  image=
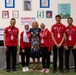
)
(13, 19)
(70, 18)
(57, 16)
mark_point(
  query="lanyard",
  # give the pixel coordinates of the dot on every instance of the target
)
(58, 29)
(70, 31)
(42, 34)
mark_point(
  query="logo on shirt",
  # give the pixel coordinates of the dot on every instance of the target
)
(9, 30)
(54, 28)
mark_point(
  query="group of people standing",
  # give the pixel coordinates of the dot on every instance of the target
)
(36, 42)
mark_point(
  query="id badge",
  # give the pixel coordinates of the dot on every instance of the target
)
(58, 35)
(12, 37)
(70, 38)
(42, 41)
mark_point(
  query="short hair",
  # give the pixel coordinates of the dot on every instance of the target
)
(70, 18)
(13, 19)
(57, 16)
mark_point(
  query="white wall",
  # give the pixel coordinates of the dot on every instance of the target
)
(35, 8)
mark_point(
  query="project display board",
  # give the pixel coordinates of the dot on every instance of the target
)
(2, 52)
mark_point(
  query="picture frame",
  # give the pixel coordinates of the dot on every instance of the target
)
(27, 5)
(40, 14)
(9, 3)
(15, 14)
(5, 14)
(48, 14)
(44, 3)
(64, 10)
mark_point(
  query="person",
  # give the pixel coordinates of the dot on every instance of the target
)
(58, 36)
(25, 46)
(10, 44)
(35, 49)
(45, 47)
(70, 43)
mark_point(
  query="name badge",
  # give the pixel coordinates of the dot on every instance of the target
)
(42, 41)
(58, 35)
(12, 37)
(70, 38)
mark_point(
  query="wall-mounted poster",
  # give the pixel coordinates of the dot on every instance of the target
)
(5, 14)
(15, 14)
(44, 3)
(1, 34)
(9, 3)
(48, 14)
(64, 10)
(40, 14)
(27, 5)
(28, 20)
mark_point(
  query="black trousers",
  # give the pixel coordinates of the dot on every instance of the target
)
(45, 57)
(67, 53)
(11, 50)
(60, 50)
(27, 54)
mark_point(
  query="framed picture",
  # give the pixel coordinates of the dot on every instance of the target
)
(5, 14)
(44, 3)
(27, 5)
(48, 14)
(64, 10)
(40, 14)
(9, 3)
(15, 14)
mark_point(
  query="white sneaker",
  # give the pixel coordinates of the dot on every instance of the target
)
(24, 69)
(27, 69)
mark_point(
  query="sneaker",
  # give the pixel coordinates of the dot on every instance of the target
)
(47, 71)
(43, 70)
(24, 69)
(61, 71)
(14, 70)
(54, 71)
(8, 70)
(67, 70)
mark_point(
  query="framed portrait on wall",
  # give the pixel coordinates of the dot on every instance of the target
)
(27, 5)
(40, 14)
(48, 14)
(5, 14)
(15, 14)
(9, 3)
(44, 3)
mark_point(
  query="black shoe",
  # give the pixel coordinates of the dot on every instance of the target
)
(66, 71)
(8, 70)
(75, 70)
(54, 71)
(61, 71)
(14, 70)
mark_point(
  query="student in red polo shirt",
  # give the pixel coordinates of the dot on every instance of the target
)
(70, 43)
(11, 43)
(45, 47)
(58, 36)
(25, 45)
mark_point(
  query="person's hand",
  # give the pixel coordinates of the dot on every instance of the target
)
(66, 47)
(5, 48)
(74, 47)
(58, 45)
(23, 51)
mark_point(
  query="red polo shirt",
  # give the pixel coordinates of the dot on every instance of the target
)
(58, 31)
(71, 35)
(11, 36)
(23, 44)
(45, 39)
